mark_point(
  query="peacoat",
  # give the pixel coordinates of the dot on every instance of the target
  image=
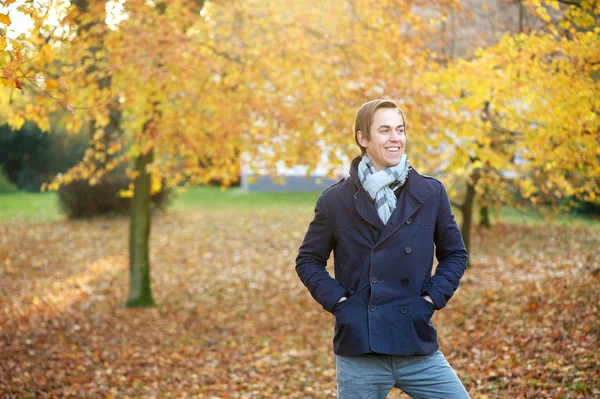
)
(383, 270)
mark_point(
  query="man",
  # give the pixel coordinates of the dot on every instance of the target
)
(382, 223)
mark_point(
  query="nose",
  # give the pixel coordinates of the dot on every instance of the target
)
(395, 135)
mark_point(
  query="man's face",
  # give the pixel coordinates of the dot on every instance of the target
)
(387, 142)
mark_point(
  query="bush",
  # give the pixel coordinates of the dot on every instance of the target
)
(80, 200)
(6, 186)
(580, 207)
(30, 157)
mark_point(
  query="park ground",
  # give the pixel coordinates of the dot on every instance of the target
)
(233, 320)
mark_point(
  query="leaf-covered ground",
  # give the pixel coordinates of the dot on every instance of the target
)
(234, 321)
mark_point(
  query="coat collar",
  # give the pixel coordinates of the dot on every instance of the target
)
(415, 184)
(415, 192)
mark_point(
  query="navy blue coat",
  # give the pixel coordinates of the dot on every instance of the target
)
(384, 270)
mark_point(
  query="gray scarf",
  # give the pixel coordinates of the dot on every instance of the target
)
(380, 185)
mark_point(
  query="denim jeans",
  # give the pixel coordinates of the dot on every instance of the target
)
(372, 376)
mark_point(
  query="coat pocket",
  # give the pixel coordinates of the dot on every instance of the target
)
(430, 305)
(353, 295)
(422, 324)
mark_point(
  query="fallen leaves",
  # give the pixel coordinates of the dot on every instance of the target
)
(234, 321)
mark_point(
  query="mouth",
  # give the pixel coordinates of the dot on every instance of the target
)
(393, 149)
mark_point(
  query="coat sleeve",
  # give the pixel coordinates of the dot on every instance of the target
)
(312, 260)
(450, 253)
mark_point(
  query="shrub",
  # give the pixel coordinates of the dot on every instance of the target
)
(80, 200)
(30, 157)
(581, 207)
(6, 186)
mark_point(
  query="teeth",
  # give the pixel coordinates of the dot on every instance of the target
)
(393, 149)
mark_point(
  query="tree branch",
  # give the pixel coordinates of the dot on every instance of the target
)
(231, 57)
(496, 124)
(571, 3)
(456, 204)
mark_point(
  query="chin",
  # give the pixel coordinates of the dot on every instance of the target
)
(394, 161)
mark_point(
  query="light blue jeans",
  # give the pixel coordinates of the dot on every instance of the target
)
(373, 377)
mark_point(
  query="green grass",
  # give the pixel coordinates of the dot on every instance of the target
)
(44, 206)
(35, 206)
(530, 216)
(211, 198)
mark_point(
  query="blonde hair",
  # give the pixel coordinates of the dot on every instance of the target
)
(364, 118)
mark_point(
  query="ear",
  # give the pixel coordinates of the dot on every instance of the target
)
(362, 140)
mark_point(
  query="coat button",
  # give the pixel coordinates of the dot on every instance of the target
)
(372, 308)
(403, 310)
(408, 221)
(405, 281)
(407, 250)
(376, 249)
(374, 280)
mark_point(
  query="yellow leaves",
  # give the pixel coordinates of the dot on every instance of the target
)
(545, 16)
(68, 106)
(89, 153)
(132, 174)
(565, 24)
(51, 84)
(5, 19)
(98, 134)
(476, 165)
(100, 156)
(3, 43)
(9, 78)
(9, 74)
(127, 193)
(528, 189)
(540, 10)
(155, 183)
(114, 148)
(583, 19)
(16, 121)
(538, 86)
(591, 197)
(62, 84)
(46, 54)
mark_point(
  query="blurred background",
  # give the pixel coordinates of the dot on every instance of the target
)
(218, 123)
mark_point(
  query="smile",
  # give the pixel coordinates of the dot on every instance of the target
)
(393, 149)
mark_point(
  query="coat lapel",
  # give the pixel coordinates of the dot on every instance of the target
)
(366, 209)
(412, 196)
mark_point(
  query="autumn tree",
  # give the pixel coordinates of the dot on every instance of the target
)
(276, 81)
(523, 114)
(183, 90)
(123, 83)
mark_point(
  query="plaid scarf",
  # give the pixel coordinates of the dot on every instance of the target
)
(380, 185)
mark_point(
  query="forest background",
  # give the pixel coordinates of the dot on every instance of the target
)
(502, 99)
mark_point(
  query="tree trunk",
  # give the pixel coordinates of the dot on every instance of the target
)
(467, 211)
(521, 16)
(484, 217)
(140, 294)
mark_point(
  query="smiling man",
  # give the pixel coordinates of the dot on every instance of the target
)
(382, 223)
